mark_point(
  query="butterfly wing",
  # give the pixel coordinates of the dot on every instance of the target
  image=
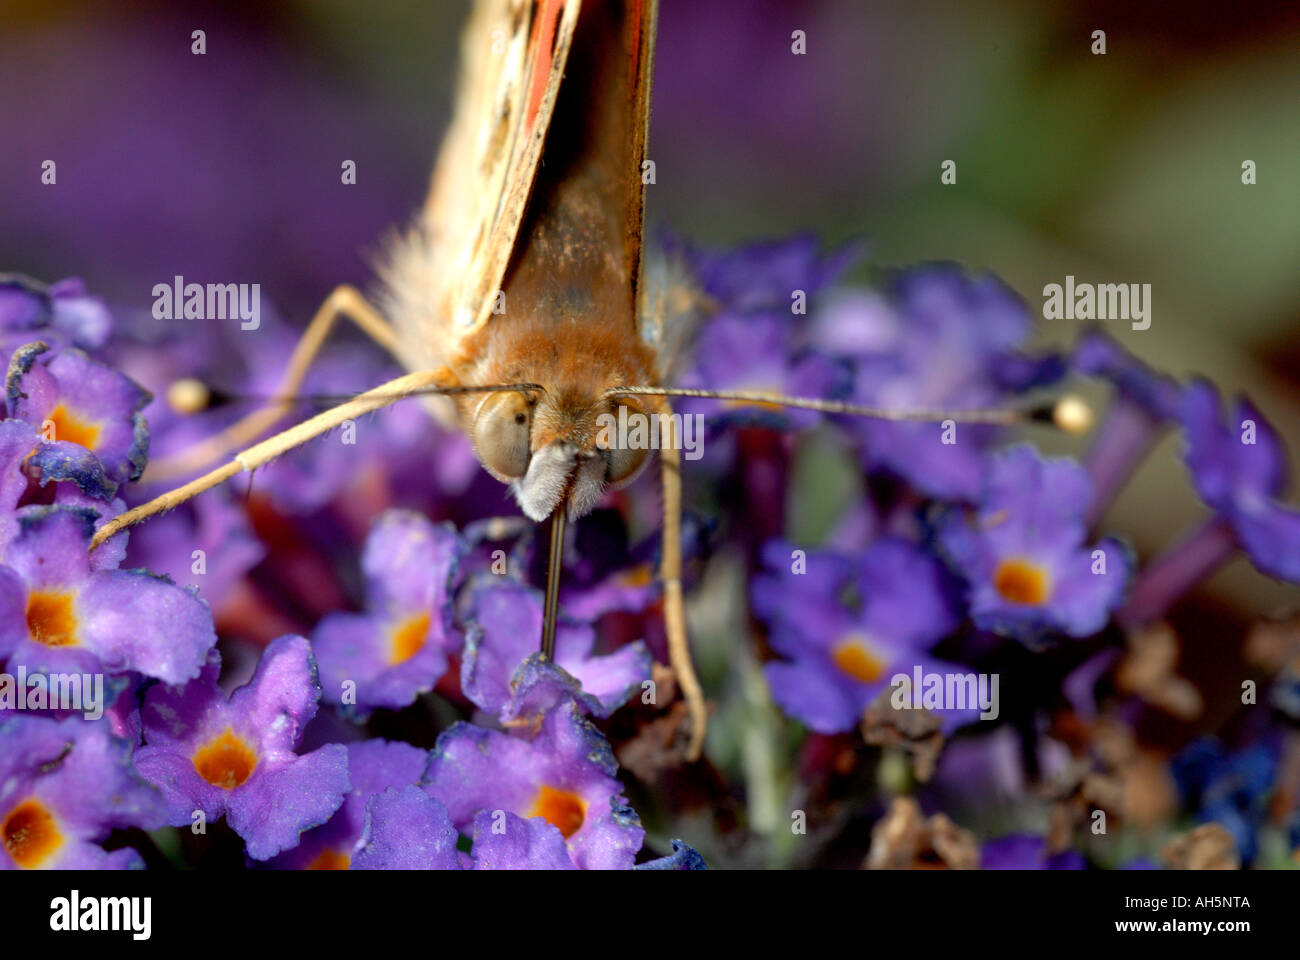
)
(574, 273)
(642, 23)
(669, 304)
(442, 275)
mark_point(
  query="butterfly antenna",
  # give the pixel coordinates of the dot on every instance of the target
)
(553, 569)
(1070, 413)
(425, 382)
(190, 395)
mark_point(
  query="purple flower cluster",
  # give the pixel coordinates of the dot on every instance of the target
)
(174, 745)
(337, 668)
(966, 541)
(964, 531)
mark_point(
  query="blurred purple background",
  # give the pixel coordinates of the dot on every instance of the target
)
(1124, 168)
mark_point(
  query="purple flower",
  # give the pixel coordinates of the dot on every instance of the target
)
(398, 649)
(848, 623)
(1144, 402)
(603, 573)
(84, 319)
(60, 315)
(373, 767)
(25, 460)
(1238, 466)
(1097, 354)
(236, 757)
(683, 857)
(994, 765)
(566, 775)
(764, 276)
(77, 401)
(397, 458)
(406, 829)
(24, 307)
(1024, 556)
(504, 841)
(630, 589)
(17, 440)
(54, 462)
(505, 619)
(1024, 852)
(208, 543)
(738, 351)
(941, 341)
(403, 447)
(64, 784)
(757, 339)
(537, 686)
(65, 609)
(123, 713)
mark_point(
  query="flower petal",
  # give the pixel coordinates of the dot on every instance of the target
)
(509, 842)
(274, 806)
(406, 829)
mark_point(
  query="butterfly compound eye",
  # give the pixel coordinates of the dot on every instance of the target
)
(502, 432)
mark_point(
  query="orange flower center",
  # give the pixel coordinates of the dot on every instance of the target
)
(407, 638)
(51, 619)
(561, 809)
(1020, 581)
(855, 658)
(225, 761)
(72, 428)
(330, 860)
(30, 834)
(638, 576)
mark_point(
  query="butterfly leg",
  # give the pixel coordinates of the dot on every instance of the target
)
(679, 650)
(344, 301)
(266, 451)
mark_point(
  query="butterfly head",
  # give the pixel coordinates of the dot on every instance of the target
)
(558, 447)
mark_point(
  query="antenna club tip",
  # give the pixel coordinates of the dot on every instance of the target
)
(188, 396)
(1072, 414)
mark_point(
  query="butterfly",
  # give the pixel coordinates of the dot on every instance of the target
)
(520, 300)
